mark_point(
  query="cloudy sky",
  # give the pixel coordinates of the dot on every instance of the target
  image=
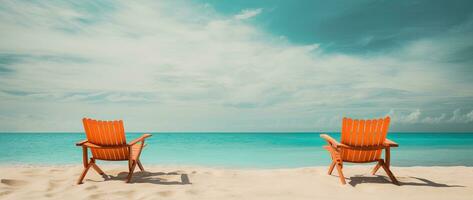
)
(210, 65)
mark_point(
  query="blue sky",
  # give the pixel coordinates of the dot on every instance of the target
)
(209, 65)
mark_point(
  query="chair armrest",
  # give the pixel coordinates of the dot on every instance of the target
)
(333, 142)
(92, 145)
(86, 143)
(81, 142)
(140, 139)
(389, 143)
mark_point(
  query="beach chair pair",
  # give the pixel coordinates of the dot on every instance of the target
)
(362, 141)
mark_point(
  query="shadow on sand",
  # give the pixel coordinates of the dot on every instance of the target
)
(353, 181)
(150, 177)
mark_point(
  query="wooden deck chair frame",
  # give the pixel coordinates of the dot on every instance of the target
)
(362, 142)
(106, 141)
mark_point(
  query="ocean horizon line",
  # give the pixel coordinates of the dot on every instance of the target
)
(245, 132)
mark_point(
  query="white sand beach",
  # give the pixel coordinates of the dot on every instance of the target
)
(59, 182)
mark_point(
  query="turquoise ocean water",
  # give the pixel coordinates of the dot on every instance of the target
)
(247, 150)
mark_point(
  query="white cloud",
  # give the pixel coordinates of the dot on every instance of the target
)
(248, 13)
(434, 120)
(414, 117)
(469, 116)
(409, 118)
(457, 117)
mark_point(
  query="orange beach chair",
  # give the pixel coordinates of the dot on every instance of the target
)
(106, 140)
(362, 141)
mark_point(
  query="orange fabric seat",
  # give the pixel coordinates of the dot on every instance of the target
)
(362, 141)
(106, 141)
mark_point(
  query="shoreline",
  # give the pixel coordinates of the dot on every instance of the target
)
(200, 182)
(219, 167)
(123, 163)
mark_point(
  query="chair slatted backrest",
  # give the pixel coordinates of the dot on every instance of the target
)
(107, 133)
(363, 133)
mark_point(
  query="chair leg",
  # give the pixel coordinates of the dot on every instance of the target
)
(389, 172)
(84, 172)
(376, 168)
(140, 165)
(330, 169)
(96, 167)
(130, 174)
(340, 173)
